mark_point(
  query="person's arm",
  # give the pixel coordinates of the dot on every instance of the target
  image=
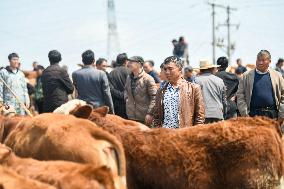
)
(281, 101)
(67, 83)
(25, 91)
(1, 86)
(151, 90)
(155, 111)
(224, 101)
(241, 99)
(199, 109)
(106, 93)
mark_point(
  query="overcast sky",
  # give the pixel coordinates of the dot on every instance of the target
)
(145, 27)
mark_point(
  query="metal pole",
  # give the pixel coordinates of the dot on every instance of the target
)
(229, 36)
(213, 33)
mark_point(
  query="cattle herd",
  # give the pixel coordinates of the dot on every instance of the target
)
(88, 148)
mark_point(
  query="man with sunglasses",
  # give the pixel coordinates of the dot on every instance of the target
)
(261, 90)
(178, 103)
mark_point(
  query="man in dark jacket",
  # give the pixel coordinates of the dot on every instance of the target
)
(231, 82)
(56, 83)
(117, 79)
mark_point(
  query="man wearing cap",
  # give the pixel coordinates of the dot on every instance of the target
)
(188, 74)
(261, 90)
(214, 92)
(179, 103)
(140, 92)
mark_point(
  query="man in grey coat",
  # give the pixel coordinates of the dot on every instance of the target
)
(261, 90)
(92, 84)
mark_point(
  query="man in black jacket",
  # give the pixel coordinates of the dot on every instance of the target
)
(117, 79)
(56, 83)
(231, 82)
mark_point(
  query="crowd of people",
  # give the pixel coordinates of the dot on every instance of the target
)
(174, 98)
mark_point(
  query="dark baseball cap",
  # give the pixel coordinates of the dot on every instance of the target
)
(138, 59)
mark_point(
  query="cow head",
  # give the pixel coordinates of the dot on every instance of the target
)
(82, 111)
(101, 111)
(5, 153)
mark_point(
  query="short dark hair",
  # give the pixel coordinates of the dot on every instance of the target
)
(88, 57)
(162, 66)
(188, 69)
(151, 62)
(264, 53)
(223, 62)
(13, 55)
(39, 67)
(54, 56)
(121, 59)
(100, 61)
(280, 60)
(181, 38)
(174, 59)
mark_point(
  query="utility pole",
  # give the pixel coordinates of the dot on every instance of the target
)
(213, 33)
(228, 25)
(229, 46)
(112, 40)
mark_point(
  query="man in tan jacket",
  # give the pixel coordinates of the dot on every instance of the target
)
(178, 103)
(140, 92)
(261, 90)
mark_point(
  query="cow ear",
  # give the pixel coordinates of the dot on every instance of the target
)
(83, 111)
(102, 110)
(5, 152)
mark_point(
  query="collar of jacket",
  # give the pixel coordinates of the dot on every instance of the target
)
(179, 83)
(139, 76)
(8, 68)
(88, 66)
(262, 73)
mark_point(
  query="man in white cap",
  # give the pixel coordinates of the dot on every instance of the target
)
(214, 92)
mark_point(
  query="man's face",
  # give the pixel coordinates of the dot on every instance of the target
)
(262, 63)
(239, 62)
(147, 67)
(134, 66)
(14, 62)
(34, 65)
(103, 66)
(172, 72)
(39, 72)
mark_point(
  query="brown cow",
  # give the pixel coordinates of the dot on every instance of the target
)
(239, 153)
(61, 174)
(65, 137)
(11, 180)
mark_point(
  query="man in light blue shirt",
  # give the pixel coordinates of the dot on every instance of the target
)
(15, 80)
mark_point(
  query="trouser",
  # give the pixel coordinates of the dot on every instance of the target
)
(39, 106)
(267, 112)
(212, 120)
(120, 108)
